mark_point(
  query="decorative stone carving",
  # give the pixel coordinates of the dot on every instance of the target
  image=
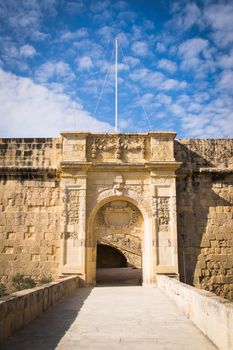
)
(73, 206)
(103, 143)
(163, 213)
(116, 145)
(154, 206)
(121, 217)
(118, 214)
(118, 184)
(133, 191)
(79, 147)
(130, 243)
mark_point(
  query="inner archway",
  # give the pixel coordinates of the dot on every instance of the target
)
(109, 257)
(118, 228)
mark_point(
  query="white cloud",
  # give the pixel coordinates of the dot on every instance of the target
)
(52, 70)
(167, 65)
(226, 61)
(125, 17)
(220, 16)
(27, 51)
(126, 123)
(122, 39)
(197, 55)
(31, 110)
(85, 63)
(36, 35)
(120, 5)
(185, 15)
(80, 33)
(177, 109)
(75, 7)
(226, 80)
(139, 74)
(140, 48)
(148, 98)
(164, 99)
(169, 84)
(194, 107)
(89, 47)
(192, 48)
(160, 47)
(106, 33)
(9, 49)
(153, 79)
(131, 61)
(99, 6)
(207, 119)
(25, 17)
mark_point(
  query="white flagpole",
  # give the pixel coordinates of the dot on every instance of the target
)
(116, 88)
(74, 115)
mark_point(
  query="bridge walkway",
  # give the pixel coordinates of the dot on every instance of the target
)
(111, 318)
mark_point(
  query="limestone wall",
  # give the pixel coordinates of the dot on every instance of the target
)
(211, 314)
(205, 214)
(22, 307)
(29, 207)
(30, 152)
(49, 188)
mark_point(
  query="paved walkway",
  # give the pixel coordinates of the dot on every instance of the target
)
(107, 318)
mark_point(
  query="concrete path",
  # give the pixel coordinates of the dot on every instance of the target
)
(107, 318)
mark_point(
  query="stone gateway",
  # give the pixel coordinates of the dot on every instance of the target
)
(147, 200)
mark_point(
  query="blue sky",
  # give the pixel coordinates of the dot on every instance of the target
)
(175, 66)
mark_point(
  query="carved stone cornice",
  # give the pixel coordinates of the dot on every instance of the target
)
(115, 146)
(72, 164)
(167, 165)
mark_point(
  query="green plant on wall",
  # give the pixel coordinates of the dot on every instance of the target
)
(2, 290)
(20, 282)
(45, 279)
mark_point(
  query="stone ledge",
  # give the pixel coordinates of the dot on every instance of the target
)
(204, 170)
(216, 170)
(20, 308)
(24, 169)
(211, 314)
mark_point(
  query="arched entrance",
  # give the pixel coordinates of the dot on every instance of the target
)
(118, 229)
(109, 257)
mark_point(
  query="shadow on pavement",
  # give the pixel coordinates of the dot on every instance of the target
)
(45, 332)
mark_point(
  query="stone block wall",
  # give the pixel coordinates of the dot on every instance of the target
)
(30, 152)
(29, 207)
(205, 214)
(31, 201)
(20, 308)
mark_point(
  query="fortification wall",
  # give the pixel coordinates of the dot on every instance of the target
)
(29, 207)
(205, 214)
(30, 210)
(30, 152)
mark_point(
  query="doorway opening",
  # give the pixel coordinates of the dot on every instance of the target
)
(113, 268)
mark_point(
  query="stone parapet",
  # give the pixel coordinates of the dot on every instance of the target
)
(20, 308)
(118, 147)
(30, 152)
(212, 315)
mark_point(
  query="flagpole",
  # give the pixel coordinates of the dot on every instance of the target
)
(116, 87)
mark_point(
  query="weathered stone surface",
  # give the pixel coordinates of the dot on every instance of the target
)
(205, 214)
(52, 192)
(211, 314)
(22, 307)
